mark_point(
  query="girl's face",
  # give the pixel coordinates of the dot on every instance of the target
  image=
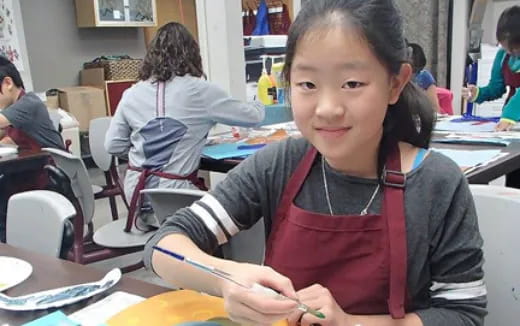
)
(340, 93)
(511, 50)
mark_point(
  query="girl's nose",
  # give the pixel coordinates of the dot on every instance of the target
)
(330, 106)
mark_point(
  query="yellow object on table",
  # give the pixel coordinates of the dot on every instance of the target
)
(171, 308)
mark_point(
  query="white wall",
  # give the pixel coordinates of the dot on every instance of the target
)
(57, 48)
(493, 12)
(459, 45)
(26, 73)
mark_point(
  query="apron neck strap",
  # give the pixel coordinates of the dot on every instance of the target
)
(394, 181)
(159, 100)
(22, 93)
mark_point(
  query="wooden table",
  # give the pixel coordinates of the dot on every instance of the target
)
(49, 272)
(482, 175)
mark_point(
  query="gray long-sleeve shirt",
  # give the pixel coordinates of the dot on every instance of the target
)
(445, 277)
(30, 115)
(193, 106)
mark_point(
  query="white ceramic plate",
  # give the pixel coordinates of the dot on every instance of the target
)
(13, 271)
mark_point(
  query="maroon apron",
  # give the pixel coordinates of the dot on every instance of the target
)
(511, 78)
(362, 260)
(248, 22)
(135, 201)
(279, 22)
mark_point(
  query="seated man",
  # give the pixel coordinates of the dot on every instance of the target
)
(24, 119)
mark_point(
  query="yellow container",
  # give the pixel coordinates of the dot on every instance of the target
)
(264, 83)
(276, 71)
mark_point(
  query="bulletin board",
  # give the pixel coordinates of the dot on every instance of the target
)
(9, 44)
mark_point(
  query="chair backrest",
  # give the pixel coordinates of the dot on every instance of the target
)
(499, 222)
(96, 138)
(36, 221)
(166, 201)
(246, 246)
(75, 169)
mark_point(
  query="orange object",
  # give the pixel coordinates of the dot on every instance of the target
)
(279, 134)
(172, 308)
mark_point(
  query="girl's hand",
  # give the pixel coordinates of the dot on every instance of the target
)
(470, 92)
(248, 307)
(319, 298)
(504, 125)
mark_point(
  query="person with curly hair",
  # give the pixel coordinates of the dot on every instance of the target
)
(162, 122)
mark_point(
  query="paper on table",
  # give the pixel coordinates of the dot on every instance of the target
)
(226, 150)
(99, 312)
(513, 136)
(53, 319)
(471, 126)
(4, 151)
(468, 158)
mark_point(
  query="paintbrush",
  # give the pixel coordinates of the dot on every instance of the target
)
(226, 276)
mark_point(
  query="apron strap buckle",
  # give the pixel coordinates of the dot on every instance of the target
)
(396, 179)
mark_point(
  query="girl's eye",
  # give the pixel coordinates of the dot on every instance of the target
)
(353, 84)
(306, 85)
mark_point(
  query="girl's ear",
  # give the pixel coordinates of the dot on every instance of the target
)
(7, 82)
(399, 81)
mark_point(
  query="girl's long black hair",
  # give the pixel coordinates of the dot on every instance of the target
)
(379, 22)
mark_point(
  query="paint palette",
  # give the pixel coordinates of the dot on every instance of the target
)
(211, 322)
(177, 308)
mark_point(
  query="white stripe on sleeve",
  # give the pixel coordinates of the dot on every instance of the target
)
(458, 291)
(209, 221)
(221, 213)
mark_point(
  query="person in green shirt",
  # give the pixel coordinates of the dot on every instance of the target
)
(505, 71)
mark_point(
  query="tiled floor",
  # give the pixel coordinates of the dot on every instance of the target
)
(102, 215)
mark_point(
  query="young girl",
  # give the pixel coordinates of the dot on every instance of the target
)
(505, 71)
(363, 223)
(162, 121)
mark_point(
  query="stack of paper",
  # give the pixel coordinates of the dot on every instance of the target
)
(101, 311)
(468, 126)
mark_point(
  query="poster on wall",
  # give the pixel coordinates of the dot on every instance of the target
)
(9, 45)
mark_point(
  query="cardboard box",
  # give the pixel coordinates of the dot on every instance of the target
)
(94, 77)
(84, 103)
(52, 101)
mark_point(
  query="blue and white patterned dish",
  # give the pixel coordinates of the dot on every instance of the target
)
(61, 296)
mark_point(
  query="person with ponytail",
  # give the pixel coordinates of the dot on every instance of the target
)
(363, 222)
